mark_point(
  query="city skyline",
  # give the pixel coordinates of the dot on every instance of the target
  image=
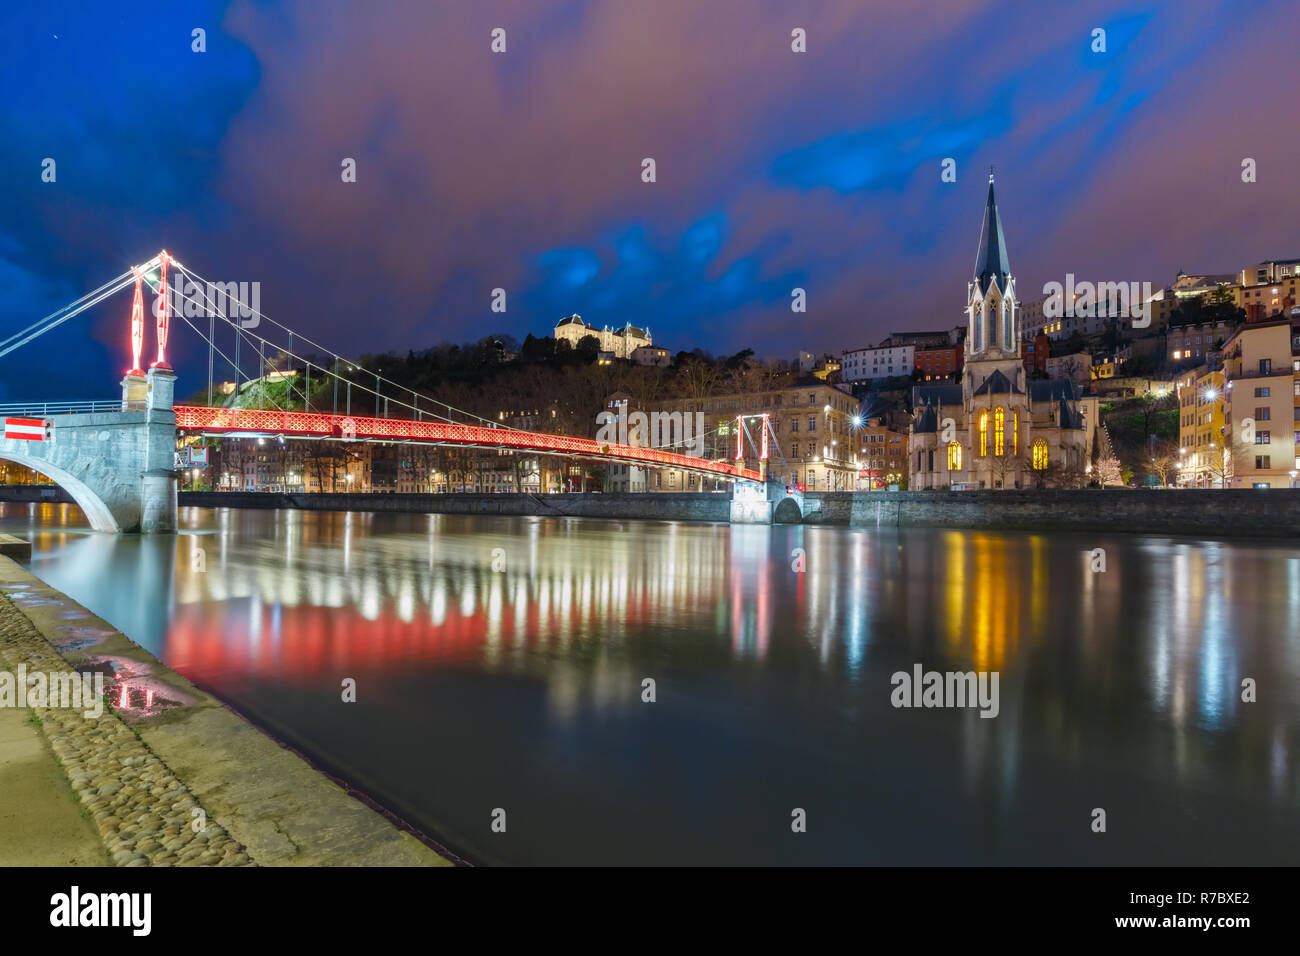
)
(768, 177)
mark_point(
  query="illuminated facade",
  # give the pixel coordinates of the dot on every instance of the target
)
(997, 429)
(814, 442)
(1260, 424)
(1201, 400)
(620, 343)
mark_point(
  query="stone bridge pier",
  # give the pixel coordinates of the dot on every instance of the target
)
(765, 502)
(119, 466)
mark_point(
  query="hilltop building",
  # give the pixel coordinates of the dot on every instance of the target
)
(619, 343)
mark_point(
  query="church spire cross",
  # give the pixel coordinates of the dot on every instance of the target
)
(991, 263)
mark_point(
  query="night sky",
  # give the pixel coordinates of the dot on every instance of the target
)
(522, 170)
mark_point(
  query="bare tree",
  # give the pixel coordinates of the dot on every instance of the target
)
(698, 379)
(1162, 463)
(1000, 466)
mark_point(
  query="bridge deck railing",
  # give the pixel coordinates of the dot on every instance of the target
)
(320, 425)
(42, 409)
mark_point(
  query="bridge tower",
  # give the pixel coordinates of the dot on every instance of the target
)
(117, 462)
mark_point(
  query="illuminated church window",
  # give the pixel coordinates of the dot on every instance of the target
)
(999, 432)
(1040, 455)
(954, 456)
(984, 433)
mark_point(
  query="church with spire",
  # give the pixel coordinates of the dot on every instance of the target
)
(998, 428)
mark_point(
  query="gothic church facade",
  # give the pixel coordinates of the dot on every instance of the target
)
(998, 428)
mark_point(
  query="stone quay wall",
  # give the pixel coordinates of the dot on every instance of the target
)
(697, 506)
(1270, 513)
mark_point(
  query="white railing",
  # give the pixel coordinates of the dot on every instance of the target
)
(41, 409)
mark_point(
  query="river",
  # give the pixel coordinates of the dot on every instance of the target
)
(501, 666)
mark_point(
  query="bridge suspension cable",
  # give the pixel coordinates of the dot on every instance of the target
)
(59, 316)
(155, 280)
(253, 338)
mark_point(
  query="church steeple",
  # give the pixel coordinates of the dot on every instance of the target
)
(991, 303)
(992, 264)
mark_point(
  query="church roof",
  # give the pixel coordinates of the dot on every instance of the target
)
(926, 421)
(991, 263)
(1070, 419)
(1052, 390)
(571, 320)
(926, 399)
(998, 384)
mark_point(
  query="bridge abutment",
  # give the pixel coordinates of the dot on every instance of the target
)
(764, 502)
(117, 465)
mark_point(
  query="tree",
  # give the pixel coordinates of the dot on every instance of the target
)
(1047, 476)
(1000, 466)
(1108, 466)
(698, 378)
(1162, 462)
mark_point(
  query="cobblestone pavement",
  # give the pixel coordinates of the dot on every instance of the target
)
(142, 810)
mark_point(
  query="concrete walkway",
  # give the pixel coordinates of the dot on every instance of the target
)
(41, 820)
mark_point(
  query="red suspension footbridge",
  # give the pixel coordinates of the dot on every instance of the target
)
(430, 421)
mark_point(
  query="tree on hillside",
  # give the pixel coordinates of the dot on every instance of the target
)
(1162, 461)
(698, 378)
(1108, 468)
(587, 350)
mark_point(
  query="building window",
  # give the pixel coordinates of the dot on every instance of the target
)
(984, 433)
(812, 424)
(1262, 438)
(1040, 455)
(1015, 432)
(1261, 392)
(954, 455)
(1262, 462)
(999, 432)
(1262, 414)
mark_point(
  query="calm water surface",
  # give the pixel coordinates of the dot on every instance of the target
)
(499, 664)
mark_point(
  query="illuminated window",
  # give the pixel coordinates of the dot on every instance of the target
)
(1015, 432)
(1040, 455)
(999, 432)
(954, 456)
(984, 434)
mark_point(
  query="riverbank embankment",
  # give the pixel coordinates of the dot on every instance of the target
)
(1211, 512)
(165, 774)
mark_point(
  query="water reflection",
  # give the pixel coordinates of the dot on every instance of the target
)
(513, 651)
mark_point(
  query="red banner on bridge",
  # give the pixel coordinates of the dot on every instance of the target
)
(29, 429)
